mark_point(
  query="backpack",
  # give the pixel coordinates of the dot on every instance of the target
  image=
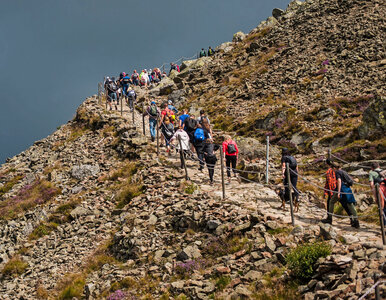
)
(231, 148)
(126, 80)
(292, 162)
(381, 177)
(347, 180)
(112, 86)
(153, 111)
(210, 51)
(135, 75)
(131, 93)
(202, 118)
(190, 124)
(199, 135)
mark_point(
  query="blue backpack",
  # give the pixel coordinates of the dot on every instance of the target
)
(199, 135)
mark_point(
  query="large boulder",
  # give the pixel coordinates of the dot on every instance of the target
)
(226, 47)
(238, 37)
(251, 148)
(374, 120)
(82, 171)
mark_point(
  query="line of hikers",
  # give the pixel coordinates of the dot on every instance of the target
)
(204, 53)
(194, 133)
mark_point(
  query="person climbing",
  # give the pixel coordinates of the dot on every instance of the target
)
(202, 53)
(131, 98)
(166, 112)
(210, 51)
(331, 184)
(344, 195)
(377, 176)
(171, 107)
(111, 89)
(125, 81)
(210, 158)
(135, 78)
(182, 118)
(153, 112)
(293, 170)
(200, 135)
(167, 129)
(180, 133)
(231, 153)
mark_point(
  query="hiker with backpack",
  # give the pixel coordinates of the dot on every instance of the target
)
(231, 153)
(181, 134)
(378, 176)
(203, 118)
(167, 129)
(200, 136)
(135, 78)
(344, 195)
(190, 125)
(202, 53)
(131, 98)
(210, 51)
(182, 118)
(172, 107)
(166, 113)
(111, 89)
(125, 81)
(294, 171)
(210, 158)
(153, 112)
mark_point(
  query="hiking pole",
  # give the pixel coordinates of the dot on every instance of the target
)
(143, 119)
(267, 162)
(222, 173)
(182, 155)
(157, 136)
(290, 193)
(380, 214)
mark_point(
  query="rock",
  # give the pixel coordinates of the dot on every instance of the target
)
(277, 12)
(243, 291)
(153, 220)
(374, 119)
(88, 290)
(298, 230)
(189, 252)
(270, 244)
(213, 224)
(83, 171)
(238, 37)
(226, 47)
(78, 212)
(327, 231)
(253, 275)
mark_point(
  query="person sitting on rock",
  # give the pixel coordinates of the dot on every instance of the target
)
(231, 153)
(344, 194)
(153, 112)
(210, 51)
(181, 134)
(202, 53)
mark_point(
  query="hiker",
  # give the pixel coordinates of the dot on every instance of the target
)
(210, 51)
(166, 112)
(153, 112)
(202, 117)
(331, 184)
(131, 98)
(182, 118)
(172, 67)
(202, 53)
(171, 107)
(231, 153)
(125, 81)
(294, 171)
(135, 78)
(167, 129)
(111, 89)
(377, 176)
(344, 195)
(180, 133)
(190, 125)
(200, 135)
(210, 158)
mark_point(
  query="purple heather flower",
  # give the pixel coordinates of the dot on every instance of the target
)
(326, 62)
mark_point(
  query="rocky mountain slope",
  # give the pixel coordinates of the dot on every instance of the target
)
(91, 212)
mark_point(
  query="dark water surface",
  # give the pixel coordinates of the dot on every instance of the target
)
(54, 52)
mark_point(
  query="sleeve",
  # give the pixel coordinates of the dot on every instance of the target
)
(371, 177)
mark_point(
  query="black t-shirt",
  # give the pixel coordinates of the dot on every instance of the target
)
(290, 160)
(342, 175)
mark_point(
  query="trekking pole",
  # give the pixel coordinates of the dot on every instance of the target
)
(222, 173)
(183, 159)
(290, 193)
(329, 154)
(157, 137)
(267, 162)
(143, 119)
(380, 213)
(121, 107)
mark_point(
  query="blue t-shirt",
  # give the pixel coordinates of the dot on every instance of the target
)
(183, 117)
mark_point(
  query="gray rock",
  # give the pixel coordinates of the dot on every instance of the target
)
(78, 212)
(213, 224)
(83, 171)
(189, 252)
(327, 231)
(277, 12)
(270, 244)
(238, 37)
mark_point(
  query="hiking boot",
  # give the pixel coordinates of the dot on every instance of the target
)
(152, 138)
(355, 224)
(201, 168)
(327, 220)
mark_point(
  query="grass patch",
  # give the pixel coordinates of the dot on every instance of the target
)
(370, 215)
(9, 184)
(37, 193)
(218, 246)
(189, 189)
(222, 282)
(42, 230)
(14, 267)
(301, 260)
